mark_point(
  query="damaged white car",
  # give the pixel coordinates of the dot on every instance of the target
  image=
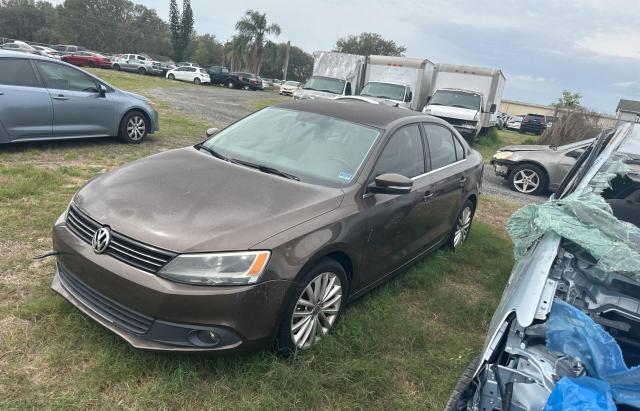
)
(566, 335)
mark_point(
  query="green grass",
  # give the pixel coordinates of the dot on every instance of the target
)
(401, 346)
(490, 142)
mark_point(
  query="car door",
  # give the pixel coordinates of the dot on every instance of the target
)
(448, 175)
(565, 163)
(391, 226)
(26, 110)
(189, 74)
(79, 109)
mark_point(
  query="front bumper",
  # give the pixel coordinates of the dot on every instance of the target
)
(502, 168)
(532, 128)
(152, 313)
(468, 133)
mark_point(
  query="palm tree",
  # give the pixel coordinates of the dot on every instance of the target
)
(255, 28)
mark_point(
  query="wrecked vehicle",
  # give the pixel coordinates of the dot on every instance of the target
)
(566, 335)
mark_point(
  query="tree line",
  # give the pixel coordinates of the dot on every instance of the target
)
(122, 26)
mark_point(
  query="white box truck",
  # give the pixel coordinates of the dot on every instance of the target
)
(398, 81)
(467, 97)
(334, 74)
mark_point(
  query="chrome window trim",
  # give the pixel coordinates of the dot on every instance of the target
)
(438, 169)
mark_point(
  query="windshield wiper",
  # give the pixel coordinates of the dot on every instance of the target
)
(265, 169)
(211, 151)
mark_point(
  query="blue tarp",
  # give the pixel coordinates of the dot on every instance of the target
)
(572, 332)
(580, 394)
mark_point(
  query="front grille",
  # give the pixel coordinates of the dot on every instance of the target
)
(454, 121)
(125, 249)
(106, 308)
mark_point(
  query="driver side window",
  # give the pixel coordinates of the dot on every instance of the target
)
(57, 76)
(403, 154)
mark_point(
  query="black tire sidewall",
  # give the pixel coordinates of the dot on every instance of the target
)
(450, 241)
(172, 77)
(542, 178)
(196, 81)
(284, 344)
(122, 131)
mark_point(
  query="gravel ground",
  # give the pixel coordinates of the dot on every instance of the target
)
(222, 106)
(219, 105)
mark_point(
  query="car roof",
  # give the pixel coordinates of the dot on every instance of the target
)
(376, 115)
(21, 54)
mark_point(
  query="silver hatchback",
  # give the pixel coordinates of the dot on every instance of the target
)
(43, 99)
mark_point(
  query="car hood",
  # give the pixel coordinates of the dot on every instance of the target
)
(303, 94)
(525, 147)
(136, 96)
(185, 200)
(452, 112)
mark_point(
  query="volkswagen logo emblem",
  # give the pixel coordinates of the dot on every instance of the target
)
(100, 240)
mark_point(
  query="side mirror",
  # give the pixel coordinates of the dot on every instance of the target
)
(493, 108)
(102, 90)
(408, 97)
(212, 131)
(391, 183)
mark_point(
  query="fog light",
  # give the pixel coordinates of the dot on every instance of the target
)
(204, 338)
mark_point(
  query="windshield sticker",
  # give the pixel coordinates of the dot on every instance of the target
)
(346, 176)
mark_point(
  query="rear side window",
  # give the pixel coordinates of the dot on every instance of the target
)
(17, 72)
(459, 149)
(441, 145)
(403, 154)
(57, 76)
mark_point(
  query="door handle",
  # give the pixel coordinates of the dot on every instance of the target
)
(428, 195)
(463, 180)
(60, 97)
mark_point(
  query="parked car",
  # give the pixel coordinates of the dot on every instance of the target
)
(68, 48)
(288, 87)
(46, 99)
(186, 64)
(161, 68)
(218, 74)
(533, 123)
(87, 58)
(246, 81)
(135, 63)
(48, 52)
(565, 335)
(514, 122)
(187, 73)
(266, 230)
(20, 46)
(266, 84)
(532, 169)
(550, 120)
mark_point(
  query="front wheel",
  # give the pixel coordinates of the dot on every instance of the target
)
(462, 226)
(314, 307)
(231, 84)
(171, 77)
(116, 67)
(142, 71)
(133, 128)
(528, 179)
(459, 398)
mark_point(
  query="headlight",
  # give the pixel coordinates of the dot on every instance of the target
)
(217, 269)
(502, 155)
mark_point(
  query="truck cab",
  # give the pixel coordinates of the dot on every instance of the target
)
(462, 109)
(396, 94)
(323, 87)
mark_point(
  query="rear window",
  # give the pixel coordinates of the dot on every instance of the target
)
(17, 72)
(535, 117)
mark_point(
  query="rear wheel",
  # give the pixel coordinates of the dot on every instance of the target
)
(196, 81)
(462, 226)
(528, 179)
(314, 307)
(133, 128)
(92, 64)
(231, 84)
(116, 67)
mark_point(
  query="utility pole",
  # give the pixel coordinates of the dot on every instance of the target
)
(286, 61)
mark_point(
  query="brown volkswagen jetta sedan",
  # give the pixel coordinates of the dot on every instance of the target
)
(265, 231)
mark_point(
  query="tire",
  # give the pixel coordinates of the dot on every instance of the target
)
(528, 179)
(92, 64)
(171, 77)
(457, 400)
(116, 67)
(462, 226)
(133, 128)
(196, 81)
(247, 88)
(327, 273)
(142, 71)
(231, 84)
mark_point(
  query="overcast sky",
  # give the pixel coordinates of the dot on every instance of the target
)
(543, 47)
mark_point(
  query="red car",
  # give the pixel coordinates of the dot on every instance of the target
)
(86, 58)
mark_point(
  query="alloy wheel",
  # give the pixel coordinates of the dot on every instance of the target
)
(136, 128)
(462, 227)
(526, 181)
(316, 310)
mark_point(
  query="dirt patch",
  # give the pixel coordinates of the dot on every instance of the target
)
(496, 211)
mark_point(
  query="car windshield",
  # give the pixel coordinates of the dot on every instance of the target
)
(384, 90)
(330, 85)
(314, 148)
(454, 98)
(292, 83)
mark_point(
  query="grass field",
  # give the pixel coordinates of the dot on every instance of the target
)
(492, 141)
(400, 347)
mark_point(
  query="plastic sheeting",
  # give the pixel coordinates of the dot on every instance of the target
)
(586, 219)
(572, 332)
(579, 394)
